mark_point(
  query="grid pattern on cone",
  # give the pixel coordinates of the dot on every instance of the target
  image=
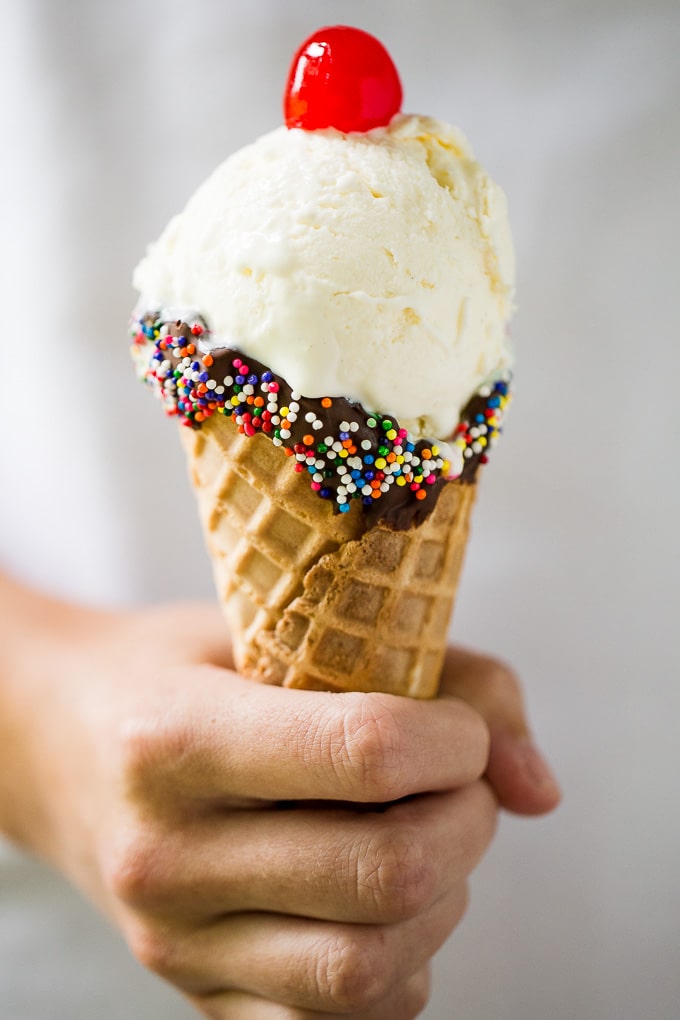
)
(313, 599)
(261, 523)
(374, 614)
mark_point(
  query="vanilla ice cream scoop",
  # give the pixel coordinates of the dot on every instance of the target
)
(377, 266)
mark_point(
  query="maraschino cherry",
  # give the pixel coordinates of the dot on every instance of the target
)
(342, 78)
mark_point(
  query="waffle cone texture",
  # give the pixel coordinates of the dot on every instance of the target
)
(313, 599)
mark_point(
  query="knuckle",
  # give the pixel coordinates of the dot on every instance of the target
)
(138, 742)
(155, 950)
(459, 904)
(135, 870)
(367, 751)
(474, 740)
(153, 749)
(397, 874)
(352, 973)
(417, 994)
(487, 809)
(481, 745)
(481, 823)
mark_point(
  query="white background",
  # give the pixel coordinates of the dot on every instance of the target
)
(111, 115)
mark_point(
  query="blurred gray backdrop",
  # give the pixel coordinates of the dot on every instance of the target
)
(111, 115)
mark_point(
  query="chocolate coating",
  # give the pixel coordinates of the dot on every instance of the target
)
(189, 379)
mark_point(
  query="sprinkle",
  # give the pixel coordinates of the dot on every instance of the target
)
(342, 465)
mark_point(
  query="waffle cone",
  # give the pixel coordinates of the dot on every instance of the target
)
(314, 599)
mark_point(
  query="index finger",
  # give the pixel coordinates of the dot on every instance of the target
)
(229, 737)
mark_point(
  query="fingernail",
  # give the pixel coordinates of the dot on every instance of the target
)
(536, 767)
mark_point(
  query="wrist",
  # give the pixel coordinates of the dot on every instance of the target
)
(41, 639)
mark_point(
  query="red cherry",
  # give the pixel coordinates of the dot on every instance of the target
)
(341, 78)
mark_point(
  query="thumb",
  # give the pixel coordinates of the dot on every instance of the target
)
(517, 771)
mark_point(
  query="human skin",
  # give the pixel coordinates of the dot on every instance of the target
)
(275, 854)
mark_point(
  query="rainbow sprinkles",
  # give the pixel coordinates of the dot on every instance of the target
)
(350, 454)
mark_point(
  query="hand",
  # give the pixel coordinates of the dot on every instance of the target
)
(254, 844)
(519, 774)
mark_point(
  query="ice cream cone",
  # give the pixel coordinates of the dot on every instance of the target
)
(328, 318)
(318, 600)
